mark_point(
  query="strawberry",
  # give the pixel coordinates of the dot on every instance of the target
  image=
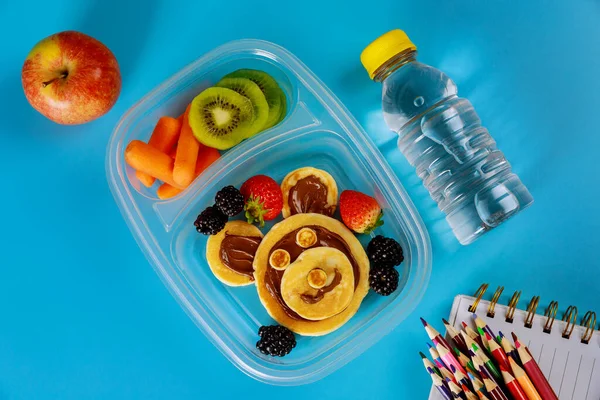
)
(360, 212)
(263, 199)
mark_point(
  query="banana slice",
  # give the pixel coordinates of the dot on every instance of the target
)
(310, 274)
(309, 190)
(319, 284)
(230, 253)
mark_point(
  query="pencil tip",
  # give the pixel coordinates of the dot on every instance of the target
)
(515, 338)
(445, 322)
(423, 356)
(423, 322)
(500, 334)
(475, 316)
(464, 324)
(429, 345)
(452, 368)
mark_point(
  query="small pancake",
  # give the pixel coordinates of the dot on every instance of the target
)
(334, 292)
(213, 253)
(325, 179)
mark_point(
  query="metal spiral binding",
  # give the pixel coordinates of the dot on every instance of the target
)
(479, 295)
(490, 311)
(512, 306)
(589, 321)
(531, 309)
(550, 315)
(570, 318)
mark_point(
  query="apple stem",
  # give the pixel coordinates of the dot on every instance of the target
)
(63, 75)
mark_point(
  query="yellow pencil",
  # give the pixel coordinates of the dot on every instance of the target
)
(523, 380)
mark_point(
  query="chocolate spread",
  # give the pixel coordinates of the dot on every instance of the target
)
(237, 253)
(310, 299)
(325, 238)
(309, 195)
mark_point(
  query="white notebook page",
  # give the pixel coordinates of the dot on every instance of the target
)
(573, 368)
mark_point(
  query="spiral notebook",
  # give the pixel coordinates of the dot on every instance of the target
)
(567, 349)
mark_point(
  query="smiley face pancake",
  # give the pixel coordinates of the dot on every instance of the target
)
(309, 190)
(230, 253)
(311, 274)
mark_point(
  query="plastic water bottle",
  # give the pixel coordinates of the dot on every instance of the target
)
(442, 137)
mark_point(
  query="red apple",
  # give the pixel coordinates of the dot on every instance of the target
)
(71, 78)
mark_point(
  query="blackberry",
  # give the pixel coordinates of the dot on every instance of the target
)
(275, 340)
(383, 281)
(384, 252)
(210, 221)
(230, 201)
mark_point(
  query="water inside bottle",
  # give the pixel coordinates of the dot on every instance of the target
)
(442, 137)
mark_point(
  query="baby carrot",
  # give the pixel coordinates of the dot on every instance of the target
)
(206, 157)
(172, 153)
(187, 154)
(143, 157)
(146, 179)
(166, 191)
(164, 136)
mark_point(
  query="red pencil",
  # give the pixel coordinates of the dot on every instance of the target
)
(495, 392)
(535, 373)
(455, 335)
(433, 334)
(472, 334)
(509, 348)
(497, 352)
(513, 386)
(468, 393)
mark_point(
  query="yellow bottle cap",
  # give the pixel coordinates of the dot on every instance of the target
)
(384, 48)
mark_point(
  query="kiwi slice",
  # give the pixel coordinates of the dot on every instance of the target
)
(273, 93)
(221, 117)
(249, 89)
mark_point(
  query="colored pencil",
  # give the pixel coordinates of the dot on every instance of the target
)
(436, 356)
(483, 325)
(433, 334)
(472, 334)
(497, 353)
(461, 378)
(534, 372)
(523, 379)
(441, 386)
(495, 391)
(486, 345)
(487, 362)
(476, 383)
(512, 385)
(455, 335)
(457, 392)
(464, 360)
(448, 358)
(446, 374)
(428, 364)
(478, 386)
(468, 393)
(483, 395)
(508, 348)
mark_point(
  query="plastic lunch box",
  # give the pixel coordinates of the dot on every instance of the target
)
(318, 131)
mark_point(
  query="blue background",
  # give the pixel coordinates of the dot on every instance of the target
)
(83, 315)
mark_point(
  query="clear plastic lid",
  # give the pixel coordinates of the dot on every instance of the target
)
(319, 132)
